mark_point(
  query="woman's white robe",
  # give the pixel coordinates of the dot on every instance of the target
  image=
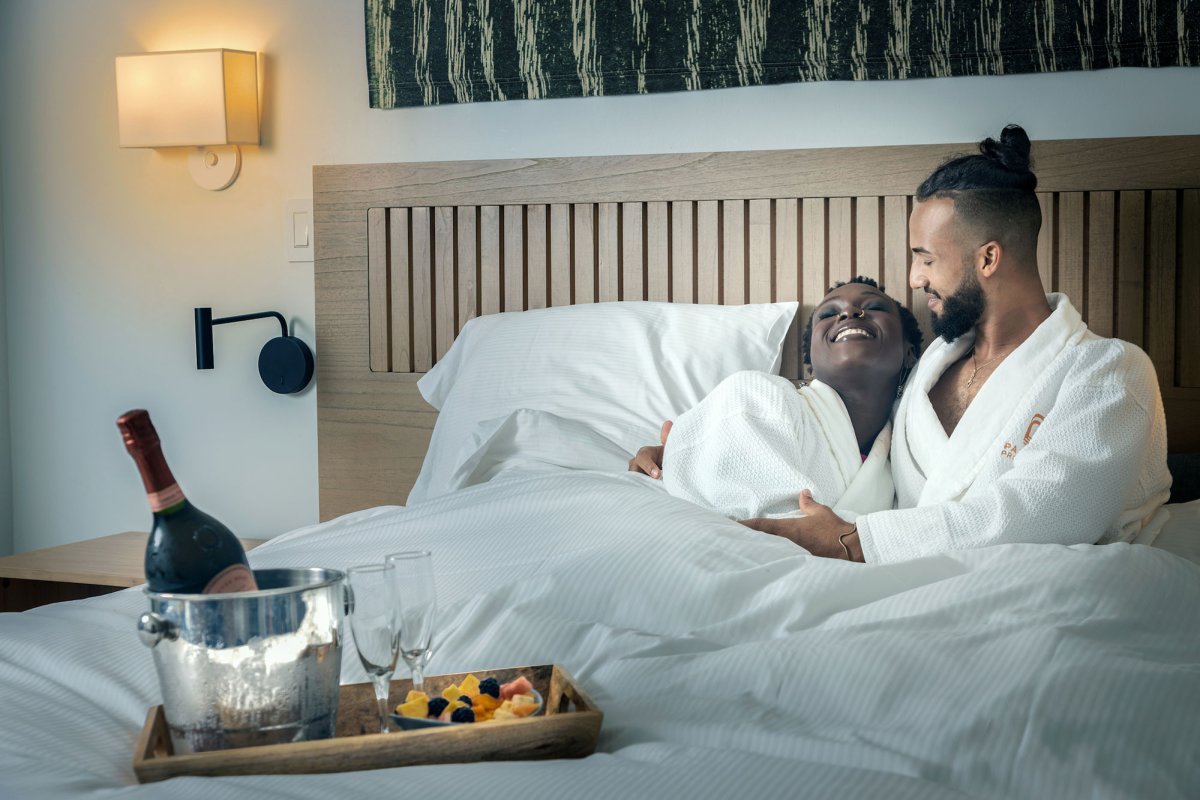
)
(755, 441)
(1066, 443)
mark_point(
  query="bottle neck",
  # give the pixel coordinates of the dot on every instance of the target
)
(162, 491)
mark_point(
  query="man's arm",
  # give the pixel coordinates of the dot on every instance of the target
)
(1067, 486)
(820, 531)
(1099, 446)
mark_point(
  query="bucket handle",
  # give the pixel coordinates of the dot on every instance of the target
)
(153, 628)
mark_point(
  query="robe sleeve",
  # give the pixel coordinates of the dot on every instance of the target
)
(747, 449)
(1099, 454)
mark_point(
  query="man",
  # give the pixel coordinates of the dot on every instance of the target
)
(1019, 424)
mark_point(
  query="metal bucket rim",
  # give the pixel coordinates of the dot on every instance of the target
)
(334, 576)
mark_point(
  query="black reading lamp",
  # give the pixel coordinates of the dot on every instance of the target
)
(285, 362)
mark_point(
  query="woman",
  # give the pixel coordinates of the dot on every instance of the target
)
(755, 441)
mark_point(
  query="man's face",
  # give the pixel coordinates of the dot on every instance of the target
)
(944, 269)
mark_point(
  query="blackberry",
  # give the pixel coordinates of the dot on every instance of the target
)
(490, 686)
(437, 705)
(464, 714)
(462, 698)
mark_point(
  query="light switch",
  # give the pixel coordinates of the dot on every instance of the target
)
(298, 230)
(300, 223)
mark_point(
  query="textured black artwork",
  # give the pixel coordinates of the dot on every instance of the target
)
(427, 52)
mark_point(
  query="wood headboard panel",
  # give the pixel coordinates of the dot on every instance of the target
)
(408, 253)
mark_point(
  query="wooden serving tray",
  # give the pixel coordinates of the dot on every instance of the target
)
(568, 727)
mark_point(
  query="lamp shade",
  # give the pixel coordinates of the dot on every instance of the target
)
(188, 97)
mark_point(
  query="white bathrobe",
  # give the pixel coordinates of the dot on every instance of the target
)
(1066, 443)
(755, 441)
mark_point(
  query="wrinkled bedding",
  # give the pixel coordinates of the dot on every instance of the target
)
(727, 662)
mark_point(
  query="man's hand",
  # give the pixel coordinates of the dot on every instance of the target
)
(648, 459)
(817, 531)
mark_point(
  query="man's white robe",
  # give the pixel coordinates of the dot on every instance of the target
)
(1066, 443)
(755, 441)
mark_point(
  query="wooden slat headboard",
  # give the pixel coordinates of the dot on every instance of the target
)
(408, 253)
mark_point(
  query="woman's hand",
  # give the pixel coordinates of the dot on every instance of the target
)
(648, 460)
(818, 531)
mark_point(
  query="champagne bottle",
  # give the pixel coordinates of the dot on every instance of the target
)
(188, 551)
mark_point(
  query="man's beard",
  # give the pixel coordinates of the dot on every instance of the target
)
(960, 310)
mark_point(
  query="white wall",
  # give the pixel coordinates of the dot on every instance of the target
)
(6, 509)
(108, 250)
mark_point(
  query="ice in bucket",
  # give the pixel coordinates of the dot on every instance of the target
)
(251, 668)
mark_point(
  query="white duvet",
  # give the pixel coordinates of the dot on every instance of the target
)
(727, 662)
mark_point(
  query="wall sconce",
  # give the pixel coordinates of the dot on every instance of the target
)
(206, 99)
(285, 363)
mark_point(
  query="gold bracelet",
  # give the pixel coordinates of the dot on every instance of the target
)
(842, 542)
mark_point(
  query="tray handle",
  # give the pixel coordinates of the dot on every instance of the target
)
(564, 691)
(153, 744)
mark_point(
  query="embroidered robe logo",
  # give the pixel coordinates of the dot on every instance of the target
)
(1033, 426)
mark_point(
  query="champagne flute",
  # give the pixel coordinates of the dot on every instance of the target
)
(372, 609)
(413, 581)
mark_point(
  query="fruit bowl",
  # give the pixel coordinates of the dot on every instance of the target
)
(416, 723)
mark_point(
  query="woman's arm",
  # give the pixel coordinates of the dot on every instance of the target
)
(648, 460)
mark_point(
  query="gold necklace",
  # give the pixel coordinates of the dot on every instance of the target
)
(975, 361)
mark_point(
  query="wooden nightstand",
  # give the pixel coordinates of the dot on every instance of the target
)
(74, 571)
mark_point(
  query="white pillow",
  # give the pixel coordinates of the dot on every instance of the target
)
(621, 368)
(530, 440)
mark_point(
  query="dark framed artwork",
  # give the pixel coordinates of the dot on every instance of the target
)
(430, 52)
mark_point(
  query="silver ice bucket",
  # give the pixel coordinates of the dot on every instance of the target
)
(249, 668)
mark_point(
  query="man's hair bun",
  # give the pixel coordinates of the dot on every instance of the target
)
(993, 189)
(1002, 165)
(1012, 151)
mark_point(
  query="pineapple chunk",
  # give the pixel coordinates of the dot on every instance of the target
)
(417, 707)
(470, 686)
(452, 692)
(413, 694)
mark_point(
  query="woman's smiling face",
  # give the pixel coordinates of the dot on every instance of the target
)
(857, 328)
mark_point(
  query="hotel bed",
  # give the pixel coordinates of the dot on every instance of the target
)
(725, 661)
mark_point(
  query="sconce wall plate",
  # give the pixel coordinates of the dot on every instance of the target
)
(215, 167)
(285, 363)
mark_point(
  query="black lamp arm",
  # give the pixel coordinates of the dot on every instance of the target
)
(204, 335)
(259, 315)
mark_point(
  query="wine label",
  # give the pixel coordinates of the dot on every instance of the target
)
(234, 578)
(170, 496)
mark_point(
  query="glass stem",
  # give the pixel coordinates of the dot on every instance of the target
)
(382, 684)
(418, 677)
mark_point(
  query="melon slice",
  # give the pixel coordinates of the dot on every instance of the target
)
(519, 686)
(524, 704)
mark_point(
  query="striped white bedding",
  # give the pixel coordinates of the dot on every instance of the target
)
(727, 662)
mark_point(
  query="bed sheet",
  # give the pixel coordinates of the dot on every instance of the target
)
(1181, 532)
(727, 662)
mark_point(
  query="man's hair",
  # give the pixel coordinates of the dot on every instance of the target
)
(912, 331)
(993, 191)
